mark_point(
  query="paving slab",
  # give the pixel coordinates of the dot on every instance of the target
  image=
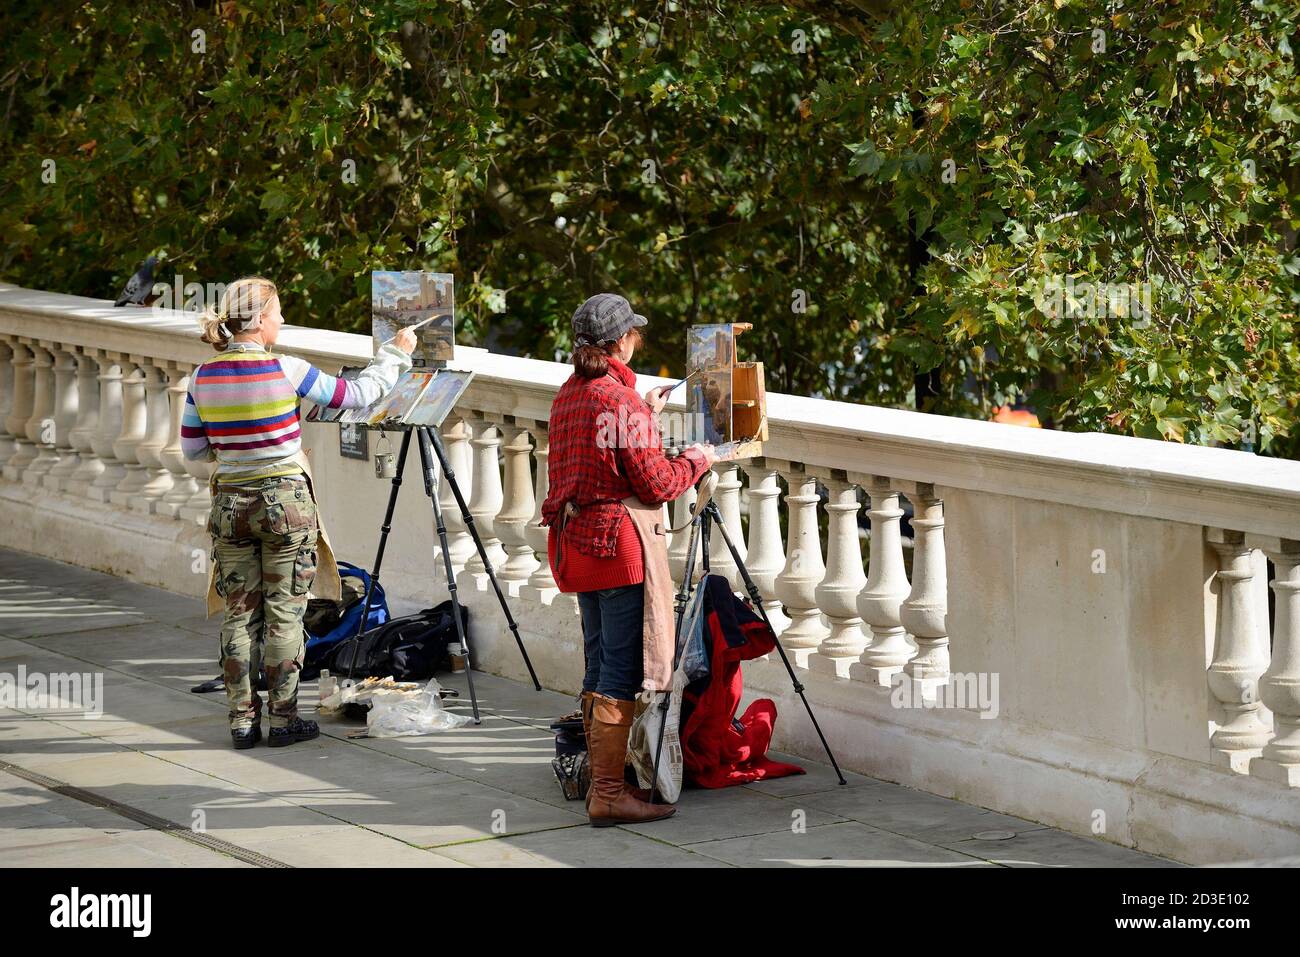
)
(849, 844)
(457, 810)
(1048, 847)
(724, 813)
(912, 813)
(577, 847)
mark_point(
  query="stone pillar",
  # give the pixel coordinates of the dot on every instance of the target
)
(158, 432)
(89, 466)
(765, 557)
(24, 373)
(1238, 663)
(66, 403)
(135, 422)
(518, 506)
(456, 434)
(924, 614)
(184, 485)
(1279, 688)
(881, 601)
(727, 495)
(7, 446)
(486, 499)
(110, 426)
(680, 540)
(804, 569)
(199, 506)
(40, 426)
(837, 594)
(541, 584)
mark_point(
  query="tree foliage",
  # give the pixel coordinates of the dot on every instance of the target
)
(914, 175)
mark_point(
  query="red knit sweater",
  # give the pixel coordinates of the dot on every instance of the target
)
(583, 572)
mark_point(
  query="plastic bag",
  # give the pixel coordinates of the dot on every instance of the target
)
(395, 714)
(643, 741)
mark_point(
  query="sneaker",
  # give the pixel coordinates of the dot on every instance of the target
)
(297, 730)
(245, 738)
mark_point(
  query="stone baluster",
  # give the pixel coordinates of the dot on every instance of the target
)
(172, 456)
(487, 497)
(924, 613)
(199, 506)
(89, 466)
(727, 495)
(66, 403)
(541, 584)
(456, 433)
(677, 547)
(24, 371)
(764, 555)
(135, 422)
(837, 593)
(40, 426)
(517, 507)
(158, 432)
(804, 569)
(1238, 660)
(1279, 688)
(7, 446)
(110, 426)
(880, 603)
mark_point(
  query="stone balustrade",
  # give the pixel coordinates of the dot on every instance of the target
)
(1074, 628)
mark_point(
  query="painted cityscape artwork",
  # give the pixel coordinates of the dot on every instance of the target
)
(710, 356)
(433, 407)
(402, 299)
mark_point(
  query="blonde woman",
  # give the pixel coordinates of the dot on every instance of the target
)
(242, 412)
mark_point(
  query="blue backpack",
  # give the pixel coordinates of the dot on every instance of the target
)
(329, 622)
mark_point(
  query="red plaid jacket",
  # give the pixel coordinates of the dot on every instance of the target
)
(605, 446)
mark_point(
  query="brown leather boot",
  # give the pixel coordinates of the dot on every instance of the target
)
(641, 794)
(610, 801)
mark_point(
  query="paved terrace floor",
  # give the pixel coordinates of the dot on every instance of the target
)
(477, 796)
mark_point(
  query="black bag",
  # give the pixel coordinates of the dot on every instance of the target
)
(410, 648)
(570, 764)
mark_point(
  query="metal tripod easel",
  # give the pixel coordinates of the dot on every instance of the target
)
(709, 515)
(430, 443)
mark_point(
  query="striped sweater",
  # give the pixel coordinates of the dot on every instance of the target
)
(242, 407)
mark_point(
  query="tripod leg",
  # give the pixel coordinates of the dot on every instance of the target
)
(383, 541)
(431, 490)
(478, 543)
(683, 597)
(757, 599)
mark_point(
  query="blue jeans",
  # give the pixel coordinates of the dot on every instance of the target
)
(611, 633)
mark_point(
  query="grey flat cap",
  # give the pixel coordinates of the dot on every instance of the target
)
(605, 317)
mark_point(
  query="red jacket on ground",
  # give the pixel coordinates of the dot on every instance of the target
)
(717, 749)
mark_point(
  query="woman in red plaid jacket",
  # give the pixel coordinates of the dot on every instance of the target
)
(609, 479)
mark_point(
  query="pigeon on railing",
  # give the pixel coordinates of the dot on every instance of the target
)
(139, 286)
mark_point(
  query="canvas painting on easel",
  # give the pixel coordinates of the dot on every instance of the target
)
(428, 299)
(710, 352)
(725, 399)
(437, 401)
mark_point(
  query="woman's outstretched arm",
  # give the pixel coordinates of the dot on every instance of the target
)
(334, 392)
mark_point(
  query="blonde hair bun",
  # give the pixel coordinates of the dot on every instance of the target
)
(242, 305)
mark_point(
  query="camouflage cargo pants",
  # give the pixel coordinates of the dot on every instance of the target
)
(264, 555)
